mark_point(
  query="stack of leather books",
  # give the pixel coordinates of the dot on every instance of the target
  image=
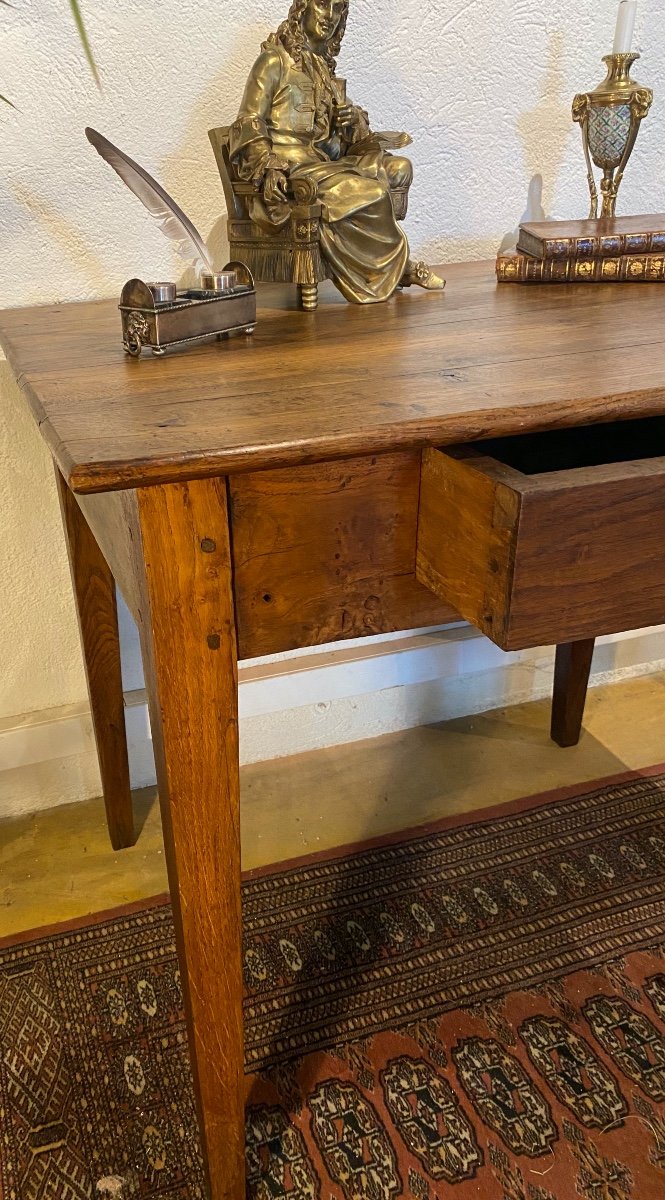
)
(610, 249)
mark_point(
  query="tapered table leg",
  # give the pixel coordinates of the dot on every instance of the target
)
(94, 591)
(189, 648)
(571, 680)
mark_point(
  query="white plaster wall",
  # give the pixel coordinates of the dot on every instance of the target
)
(484, 85)
(40, 659)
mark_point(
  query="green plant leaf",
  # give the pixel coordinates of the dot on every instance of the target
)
(76, 13)
(78, 18)
(3, 99)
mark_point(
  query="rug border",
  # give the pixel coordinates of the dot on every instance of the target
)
(40, 932)
(476, 817)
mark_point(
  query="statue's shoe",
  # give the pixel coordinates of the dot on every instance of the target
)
(418, 274)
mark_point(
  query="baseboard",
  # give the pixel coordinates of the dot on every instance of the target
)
(303, 702)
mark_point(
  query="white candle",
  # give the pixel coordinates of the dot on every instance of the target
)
(623, 37)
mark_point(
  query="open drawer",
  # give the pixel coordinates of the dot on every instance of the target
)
(550, 537)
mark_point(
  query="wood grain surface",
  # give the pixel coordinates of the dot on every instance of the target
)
(536, 558)
(572, 667)
(189, 654)
(425, 368)
(111, 518)
(94, 594)
(589, 559)
(327, 552)
(319, 422)
(467, 534)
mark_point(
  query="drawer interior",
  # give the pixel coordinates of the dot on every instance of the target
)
(583, 446)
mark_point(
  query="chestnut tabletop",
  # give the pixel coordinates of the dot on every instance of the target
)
(479, 360)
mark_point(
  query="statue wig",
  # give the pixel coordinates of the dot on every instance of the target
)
(290, 35)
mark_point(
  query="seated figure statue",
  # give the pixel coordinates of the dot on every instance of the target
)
(295, 122)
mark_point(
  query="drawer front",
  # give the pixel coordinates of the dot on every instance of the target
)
(541, 559)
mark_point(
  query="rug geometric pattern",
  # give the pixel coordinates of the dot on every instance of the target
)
(474, 1010)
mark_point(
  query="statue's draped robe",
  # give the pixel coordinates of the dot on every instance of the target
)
(287, 117)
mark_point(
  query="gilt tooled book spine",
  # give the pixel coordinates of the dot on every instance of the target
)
(597, 246)
(629, 268)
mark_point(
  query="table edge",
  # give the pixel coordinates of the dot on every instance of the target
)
(479, 425)
(89, 477)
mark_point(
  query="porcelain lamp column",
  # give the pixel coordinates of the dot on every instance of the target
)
(609, 118)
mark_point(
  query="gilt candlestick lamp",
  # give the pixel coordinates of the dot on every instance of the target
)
(610, 115)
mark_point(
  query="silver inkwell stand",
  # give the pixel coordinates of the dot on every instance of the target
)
(159, 316)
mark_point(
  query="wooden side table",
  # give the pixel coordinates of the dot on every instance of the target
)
(261, 495)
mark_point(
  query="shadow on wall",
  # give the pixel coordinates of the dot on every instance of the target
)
(190, 172)
(549, 122)
(534, 211)
(67, 235)
(545, 131)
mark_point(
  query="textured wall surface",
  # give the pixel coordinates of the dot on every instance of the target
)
(40, 659)
(484, 85)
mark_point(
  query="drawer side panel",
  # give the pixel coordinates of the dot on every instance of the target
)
(466, 539)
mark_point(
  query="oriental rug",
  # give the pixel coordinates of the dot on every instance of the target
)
(476, 1009)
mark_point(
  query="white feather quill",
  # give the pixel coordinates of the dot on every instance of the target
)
(172, 220)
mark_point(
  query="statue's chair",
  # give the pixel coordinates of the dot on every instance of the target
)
(291, 254)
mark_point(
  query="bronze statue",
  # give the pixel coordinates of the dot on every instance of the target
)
(295, 124)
